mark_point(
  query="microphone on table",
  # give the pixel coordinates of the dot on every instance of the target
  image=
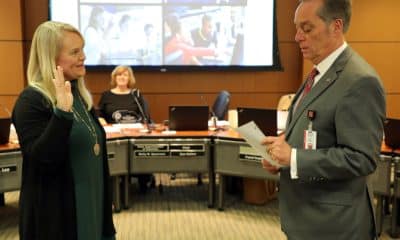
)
(135, 93)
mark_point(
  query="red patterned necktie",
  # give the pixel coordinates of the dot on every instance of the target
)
(309, 84)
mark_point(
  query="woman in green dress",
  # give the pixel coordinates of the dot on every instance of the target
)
(65, 192)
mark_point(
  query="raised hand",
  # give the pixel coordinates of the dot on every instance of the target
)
(64, 96)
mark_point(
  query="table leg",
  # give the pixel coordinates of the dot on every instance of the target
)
(2, 200)
(211, 189)
(117, 200)
(379, 214)
(221, 192)
(126, 191)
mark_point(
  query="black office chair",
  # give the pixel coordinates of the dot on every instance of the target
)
(221, 104)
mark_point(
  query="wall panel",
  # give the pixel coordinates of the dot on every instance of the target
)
(383, 57)
(35, 12)
(6, 105)
(11, 71)
(285, 15)
(10, 20)
(392, 101)
(11, 64)
(375, 21)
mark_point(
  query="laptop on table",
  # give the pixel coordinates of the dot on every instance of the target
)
(188, 118)
(265, 119)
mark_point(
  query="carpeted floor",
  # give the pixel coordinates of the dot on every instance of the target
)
(180, 212)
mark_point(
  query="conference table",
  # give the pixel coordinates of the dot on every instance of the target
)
(234, 157)
(161, 151)
(386, 185)
(132, 151)
(219, 153)
(10, 169)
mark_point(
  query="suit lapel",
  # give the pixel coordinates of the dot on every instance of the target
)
(320, 87)
(296, 96)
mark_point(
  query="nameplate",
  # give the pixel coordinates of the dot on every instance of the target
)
(151, 154)
(248, 157)
(4, 169)
(169, 150)
(151, 150)
(187, 154)
(187, 150)
(249, 154)
(151, 147)
(187, 147)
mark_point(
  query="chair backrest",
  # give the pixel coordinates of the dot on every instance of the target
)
(284, 102)
(283, 106)
(221, 104)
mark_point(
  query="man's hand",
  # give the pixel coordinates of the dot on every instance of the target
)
(278, 149)
(270, 168)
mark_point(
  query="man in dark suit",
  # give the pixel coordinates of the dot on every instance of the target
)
(333, 133)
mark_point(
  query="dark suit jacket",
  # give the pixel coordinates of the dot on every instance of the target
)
(331, 198)
(47, 199)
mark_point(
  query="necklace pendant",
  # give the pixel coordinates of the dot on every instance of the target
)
(96, 149)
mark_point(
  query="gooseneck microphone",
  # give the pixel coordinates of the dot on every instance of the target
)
(204, 101)
(135, 93)
(214, 118)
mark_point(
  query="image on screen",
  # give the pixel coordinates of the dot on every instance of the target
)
(173, 33)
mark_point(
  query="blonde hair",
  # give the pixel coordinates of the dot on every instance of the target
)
(120, 69)
(46, 46)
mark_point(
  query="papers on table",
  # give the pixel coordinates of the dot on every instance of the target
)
(111, 129)
(220, 123)
(129, 125)
(254, 136)
(168, 132)
(116, 128)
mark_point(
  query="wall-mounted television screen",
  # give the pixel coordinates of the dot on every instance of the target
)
(168, 35)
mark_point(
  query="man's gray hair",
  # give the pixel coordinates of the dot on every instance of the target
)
(335, 9)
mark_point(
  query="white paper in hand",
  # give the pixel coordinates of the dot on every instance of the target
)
(253, 136)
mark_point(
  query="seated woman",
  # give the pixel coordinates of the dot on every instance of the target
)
(124, 104)
(118, 105)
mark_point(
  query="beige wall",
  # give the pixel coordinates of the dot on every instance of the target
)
(371, 35)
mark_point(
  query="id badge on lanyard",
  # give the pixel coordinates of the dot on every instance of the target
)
(310, 136)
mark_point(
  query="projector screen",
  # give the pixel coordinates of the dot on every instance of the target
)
(166, 35)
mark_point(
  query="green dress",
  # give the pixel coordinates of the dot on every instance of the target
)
(87, 170)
